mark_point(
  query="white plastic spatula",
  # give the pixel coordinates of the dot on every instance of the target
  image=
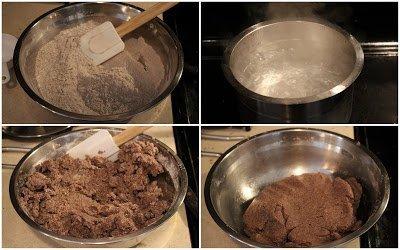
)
(104, 41)
(103, 144)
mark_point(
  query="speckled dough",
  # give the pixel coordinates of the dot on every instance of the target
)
(305, 210)
(96, 198)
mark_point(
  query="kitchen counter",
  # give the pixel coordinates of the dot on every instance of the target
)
(212, 236)
(16, 233)
(19, 108)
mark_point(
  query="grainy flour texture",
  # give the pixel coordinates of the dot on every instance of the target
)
(68, 80)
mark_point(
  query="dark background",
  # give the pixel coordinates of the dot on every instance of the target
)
(375, 93)
(187, 148)
(366, 21)
(183, 19)
(382, 141)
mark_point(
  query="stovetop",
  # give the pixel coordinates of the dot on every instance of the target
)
(185, 98)
(382, 141)
(187, 147)
(373, 24)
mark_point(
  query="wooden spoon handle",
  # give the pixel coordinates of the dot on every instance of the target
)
(143, 18)
(128, 134)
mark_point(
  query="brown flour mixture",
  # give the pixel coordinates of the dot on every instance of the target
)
(96, 198)
(67, 79)
(305, 210)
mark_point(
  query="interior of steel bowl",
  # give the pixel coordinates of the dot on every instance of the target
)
(132, 196)
(294, 59)
(272, 186)
(54, 67)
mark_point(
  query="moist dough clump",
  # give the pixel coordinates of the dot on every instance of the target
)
(95, 197)
(305, 210)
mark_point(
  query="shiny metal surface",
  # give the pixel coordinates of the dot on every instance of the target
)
(33, 132)
(209, 153)
(15, 149)
(373, 49)
(294, 61)
(221, 137)
(242, 171)
(45, 27)
(295, 70)
(336, 109)
(57, 147)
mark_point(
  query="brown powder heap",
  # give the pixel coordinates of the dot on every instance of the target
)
(305, 210)
(95, 198)
(68, 80)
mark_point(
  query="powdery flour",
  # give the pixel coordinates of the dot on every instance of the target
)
(67, 79)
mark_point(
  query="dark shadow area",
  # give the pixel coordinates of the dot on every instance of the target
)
(187, 148)
(382, 141)
(184, 21)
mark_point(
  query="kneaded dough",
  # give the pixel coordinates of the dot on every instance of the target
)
(305, 210)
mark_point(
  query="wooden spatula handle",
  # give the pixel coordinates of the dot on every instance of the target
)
(143, 18)
(128, 134)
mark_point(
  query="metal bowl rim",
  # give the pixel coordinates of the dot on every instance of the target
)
(100, 241)
(114, 117)
(347, 238)
(29, 137)
(358, 65)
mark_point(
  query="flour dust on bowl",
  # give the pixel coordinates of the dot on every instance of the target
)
(174, 179)
(54, 72)
(277, 66)
(239, 175)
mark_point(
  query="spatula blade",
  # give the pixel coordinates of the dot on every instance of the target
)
(101, 43)
(99, 144)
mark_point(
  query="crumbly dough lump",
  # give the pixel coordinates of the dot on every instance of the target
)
(306, 210)
(95, 197)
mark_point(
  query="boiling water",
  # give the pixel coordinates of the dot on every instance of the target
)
(290, 69)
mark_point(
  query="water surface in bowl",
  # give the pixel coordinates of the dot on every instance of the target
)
(286, 69)
(292, 59)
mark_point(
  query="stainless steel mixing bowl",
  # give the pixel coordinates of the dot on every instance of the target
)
(59, 146)
(156, 33)
(288, 69)
(246, 168)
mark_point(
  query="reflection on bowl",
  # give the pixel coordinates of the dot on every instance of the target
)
(246, 168)
(59, 146)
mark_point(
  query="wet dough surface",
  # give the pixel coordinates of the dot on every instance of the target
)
(305, 210)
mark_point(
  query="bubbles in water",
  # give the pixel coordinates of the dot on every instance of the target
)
(288, 70)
